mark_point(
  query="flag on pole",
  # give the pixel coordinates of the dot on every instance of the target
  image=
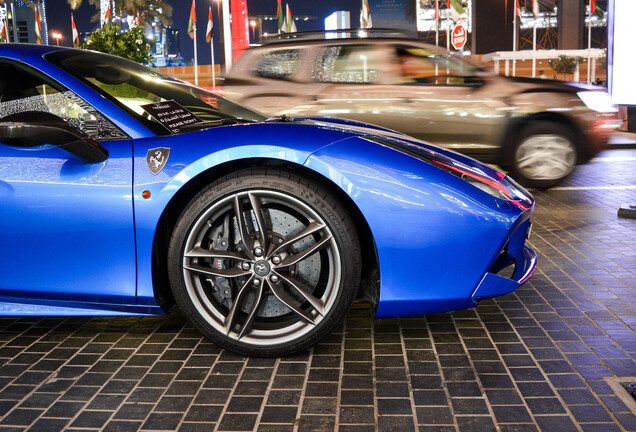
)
(535, 8)
(192, 24)
(4, 36)
(138, 21)
(75, 33)
(365, 15)
(596, 11)
(38, 28)
(209, 32)
(599, 13)
(107, 19)
(290, 25)
(517, 8)
(456, 9)
(280, 16)
(192, 32)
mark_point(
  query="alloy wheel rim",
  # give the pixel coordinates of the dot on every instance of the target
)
(545, 157)
(262, 289)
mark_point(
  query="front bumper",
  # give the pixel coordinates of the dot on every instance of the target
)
(493, 284)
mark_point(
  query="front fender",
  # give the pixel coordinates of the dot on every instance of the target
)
(196, 153)
(436, 235)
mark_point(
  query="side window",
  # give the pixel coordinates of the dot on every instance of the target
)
(280, 64)
(423, 66)
(22, 89)
(354, 64)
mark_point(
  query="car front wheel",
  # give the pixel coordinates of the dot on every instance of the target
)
(264, 263)
(544, 155)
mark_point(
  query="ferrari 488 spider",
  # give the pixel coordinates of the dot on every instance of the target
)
(124, 191)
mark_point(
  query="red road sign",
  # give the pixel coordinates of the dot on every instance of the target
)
(458, 37)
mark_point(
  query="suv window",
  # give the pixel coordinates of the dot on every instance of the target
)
(280, 64)
(423, 66)
(23, 89)
(354, 64)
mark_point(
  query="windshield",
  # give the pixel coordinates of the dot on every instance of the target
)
(133, 86)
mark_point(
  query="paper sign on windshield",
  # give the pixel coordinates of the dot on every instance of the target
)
(171, 115)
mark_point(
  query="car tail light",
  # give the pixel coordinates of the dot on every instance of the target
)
(609, 124)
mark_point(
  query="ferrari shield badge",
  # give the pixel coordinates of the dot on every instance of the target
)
(157, 158)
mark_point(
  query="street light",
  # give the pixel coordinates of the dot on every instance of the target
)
(57, 36)
(253, 25)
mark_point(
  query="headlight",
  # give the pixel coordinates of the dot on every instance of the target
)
(485, 184)
(502, 187)
(486, 187)
(598, 101)
(510, 192)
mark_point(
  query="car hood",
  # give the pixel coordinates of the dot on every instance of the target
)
(541, 84)
(399, 141)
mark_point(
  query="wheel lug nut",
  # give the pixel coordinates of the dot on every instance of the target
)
(256, 282)
(258, 251)
(276, 259)
(274, 278)
(245, 265)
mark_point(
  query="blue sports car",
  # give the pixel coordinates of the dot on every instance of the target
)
(124, 191)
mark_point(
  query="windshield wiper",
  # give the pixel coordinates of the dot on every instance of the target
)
(214, 123)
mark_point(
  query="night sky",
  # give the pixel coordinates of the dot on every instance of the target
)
(59, 18)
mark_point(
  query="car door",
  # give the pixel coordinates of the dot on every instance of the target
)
(66, 226)
(412, 90)
(450, 103)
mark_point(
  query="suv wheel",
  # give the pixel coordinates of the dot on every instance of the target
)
(544, 155)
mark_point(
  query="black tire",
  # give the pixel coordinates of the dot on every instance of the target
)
(299, 299)
(543, 155)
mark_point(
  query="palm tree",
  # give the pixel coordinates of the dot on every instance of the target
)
(148, 10)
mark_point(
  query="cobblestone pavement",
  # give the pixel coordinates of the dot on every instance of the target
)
(542, 358)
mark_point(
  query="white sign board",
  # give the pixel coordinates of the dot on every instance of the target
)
(621, 62)
(3, 12)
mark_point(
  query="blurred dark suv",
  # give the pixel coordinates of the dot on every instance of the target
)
(537, 129)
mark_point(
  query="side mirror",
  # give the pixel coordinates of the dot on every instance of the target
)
(34, 128)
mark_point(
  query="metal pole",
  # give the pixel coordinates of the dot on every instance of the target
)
(212, 63)
(436, 22)
(534, 49)
(514, 40)
(447, 39)
(196, 63)
(436, 31)
(589, 44)
(447, 47)
(14, 21)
